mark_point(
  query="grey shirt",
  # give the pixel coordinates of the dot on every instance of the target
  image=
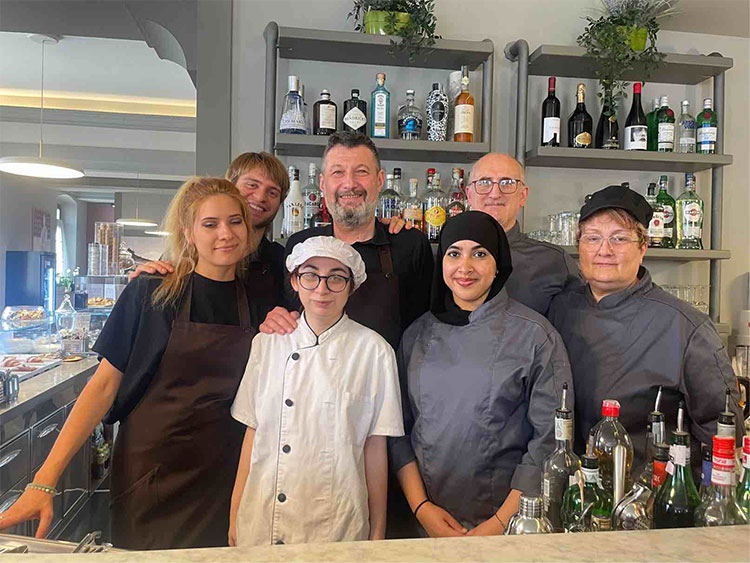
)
(479, 405)
(628, 344)
(540, 271)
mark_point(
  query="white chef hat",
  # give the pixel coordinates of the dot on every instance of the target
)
(328, 247)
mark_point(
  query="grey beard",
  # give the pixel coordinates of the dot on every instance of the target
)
(352, 217)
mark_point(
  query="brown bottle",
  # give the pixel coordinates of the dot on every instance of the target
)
(463, 128)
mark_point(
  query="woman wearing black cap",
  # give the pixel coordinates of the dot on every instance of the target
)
(626, 336)
(481, 377)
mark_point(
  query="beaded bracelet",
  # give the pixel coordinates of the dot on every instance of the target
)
(44, 488)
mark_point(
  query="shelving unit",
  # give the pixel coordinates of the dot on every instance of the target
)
(568, 61)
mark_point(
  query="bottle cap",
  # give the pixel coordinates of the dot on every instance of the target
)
(707, 103)
(664, 101)
(663, 178)
(684, 103)
(389, 176)
(589, 461)
(636, 87)
(293, 83)
(746, 445)
(410, 92)
(325, 93)
(430, 171)
(312, 168)
(610, 407)
(355, 92)
(436, 85)
(723, 447)
(396, 172)
(651, 188)
(380, 76)
(552, 81)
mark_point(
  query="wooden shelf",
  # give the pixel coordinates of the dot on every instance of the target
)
(673, 254)
(563, 60)
(362, 48)
(389, 149)
(565, 157)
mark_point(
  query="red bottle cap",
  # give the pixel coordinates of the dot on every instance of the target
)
(636, 87)
(552, 81)
(724, 447)
(610, 407)
(746, 445)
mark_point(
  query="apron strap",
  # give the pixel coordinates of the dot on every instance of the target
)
(386, 262)
(183, 313)
(242, 303)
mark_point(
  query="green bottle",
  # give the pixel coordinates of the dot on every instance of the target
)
(668, 208)
(652, 129)
(591, 511)
(665, 126)
(743, 487)
(689, 216)
(706, 123)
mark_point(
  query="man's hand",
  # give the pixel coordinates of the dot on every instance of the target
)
(162, 267)
(395, 224)
(280, 321)
(490, 527)
(438, 523)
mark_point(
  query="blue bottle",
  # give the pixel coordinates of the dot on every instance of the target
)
(380, 108)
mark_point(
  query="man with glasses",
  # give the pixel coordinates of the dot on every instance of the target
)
(541, 270)
(626, 337)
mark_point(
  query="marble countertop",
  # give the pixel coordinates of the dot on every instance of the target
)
(687, 544)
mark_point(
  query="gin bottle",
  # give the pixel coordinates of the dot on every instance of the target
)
(380, 106)
(721, 508)
(656, 225)
(686, 129)
(586, 506)
(355, 114)
(311, 194)
(413, 213)
(665, 126)
(668, 208)
(689, 216)
(410, 119)
(390, 200)
(293, 112)
(707, 128)
(436, 108)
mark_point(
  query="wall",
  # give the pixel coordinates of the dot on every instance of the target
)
(539, 22)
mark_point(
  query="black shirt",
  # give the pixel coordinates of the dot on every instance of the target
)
(412, 258)
(136, 333)
(267, 260)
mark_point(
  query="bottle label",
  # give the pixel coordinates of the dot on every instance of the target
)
(693, 219)
(380, 117)
(355, 119)
(412, 214)
(389, 207)
(707, 134)
(327, 116)
(679, 455)
(464, 119)
(590, 475)
(551, 131)
(687, 144)
(746, 460)
(545, 492)
(294, 215)
(666, 136)
(408, 125)
(722, 472)
(656, 225)
(601, 523)
(659, 475)
(437, 111)
(292, 120)
(435, 216)
(564, 429)
(582, 139)
(636, 138)
(455, 208)
(312, 203)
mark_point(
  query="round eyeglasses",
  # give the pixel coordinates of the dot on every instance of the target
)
(505, 185)
(335, 283)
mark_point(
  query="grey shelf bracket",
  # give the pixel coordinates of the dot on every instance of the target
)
(717, 200)
(271, 35)
(519, 51)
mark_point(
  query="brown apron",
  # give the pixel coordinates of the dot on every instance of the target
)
(176, 453)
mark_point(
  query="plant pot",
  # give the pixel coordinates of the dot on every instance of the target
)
(376, 21)
(635, 37)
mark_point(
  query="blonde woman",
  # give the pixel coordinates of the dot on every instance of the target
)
(172, 355)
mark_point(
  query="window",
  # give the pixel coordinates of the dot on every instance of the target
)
(60, 244)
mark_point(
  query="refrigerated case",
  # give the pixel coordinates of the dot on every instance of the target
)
(30, 279)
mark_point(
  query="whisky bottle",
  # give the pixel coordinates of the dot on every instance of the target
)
(608, 434)
(457, 198)
(464, 111)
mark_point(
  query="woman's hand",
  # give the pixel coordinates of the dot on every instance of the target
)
(31, 505)
(162, 267)
(280, 321)
(490, 527)
(232, 531)
(438, 523)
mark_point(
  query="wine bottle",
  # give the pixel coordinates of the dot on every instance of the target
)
(607, 130)
(636, 125)
(551, 117)
(580, 124)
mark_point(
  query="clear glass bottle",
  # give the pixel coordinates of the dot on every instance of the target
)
(413, 213)
(311, 195)
(410, 119)
(725, 425)
(707, 128)
(608, 433)
(689, 216)
(463, 109)
(721, 509)
(590, 511)
(743, 485)
(668, 208)
(294, 206)
(560, 465)
(686, 129)
(436, 111)
(705, 490)
(433, 204)
(656, 225)
(655, 434)
(457, 197)
(390, 200)
(380, 106)
(293, 111)
(665, 126)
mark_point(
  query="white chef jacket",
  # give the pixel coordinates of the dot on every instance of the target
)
(313, 400)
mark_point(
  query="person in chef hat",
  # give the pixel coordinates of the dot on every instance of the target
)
(318, 404)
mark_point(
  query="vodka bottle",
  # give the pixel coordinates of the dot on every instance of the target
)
(436, 110)
(686, 129)
(410, 119)
(390, 200)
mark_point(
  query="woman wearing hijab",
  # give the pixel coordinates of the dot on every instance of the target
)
(481, 377)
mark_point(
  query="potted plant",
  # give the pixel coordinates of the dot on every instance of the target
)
(617, 41)
(412, 20)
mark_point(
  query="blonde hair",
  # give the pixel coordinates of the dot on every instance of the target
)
(179, 220)
(622, 217)
(272, 166)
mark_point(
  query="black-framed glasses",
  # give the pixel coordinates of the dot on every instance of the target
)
(335, 283)
(505, 185)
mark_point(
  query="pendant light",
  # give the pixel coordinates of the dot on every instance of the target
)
(157, 233)
(39, 166)
(137, 221)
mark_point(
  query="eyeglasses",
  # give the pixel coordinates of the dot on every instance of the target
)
(596, 241)
(334, 283)
(506, 185)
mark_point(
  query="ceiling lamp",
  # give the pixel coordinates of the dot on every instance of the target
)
(38, 166)
(137, 221)
(157, 233)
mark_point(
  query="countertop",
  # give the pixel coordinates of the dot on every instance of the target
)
(687, 544)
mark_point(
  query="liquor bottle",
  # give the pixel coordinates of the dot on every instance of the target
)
(355, 114)
(294, 206)
(686, 129)
(434, 203)
(390, 200)
(707, 128)
(380, 106)
(413, 207)
(436, 110)
(668, 208)
(311, 194)
(725, 426)
(529, 519)
(308, 124)
(689, 216)
(551, 116)
(457, 199)
(592, 509)
(580, 124)
(560, 465)
(608, 434)
(665, 126)
(464, 111)
(636, 125)
(656, 225)
(607, 129)
(655, 434)
(653, 129)
(323, 218)
(677, 499)
(293, 111)
(743, 486)
(325, 115)
(705, 491)
(429, 176)
(410, 119)
(661, 460)
(721, 509)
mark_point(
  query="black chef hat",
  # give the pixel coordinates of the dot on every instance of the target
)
(620, 197)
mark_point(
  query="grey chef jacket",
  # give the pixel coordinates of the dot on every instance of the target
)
(540, 271)
(479, 405)
(631, 342)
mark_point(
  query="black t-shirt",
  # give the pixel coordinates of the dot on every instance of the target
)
(136, 333)
(266, 261)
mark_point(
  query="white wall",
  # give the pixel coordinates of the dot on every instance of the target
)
(539, 22)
